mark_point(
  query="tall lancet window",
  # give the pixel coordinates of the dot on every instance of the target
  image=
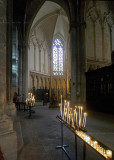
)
(57, 57)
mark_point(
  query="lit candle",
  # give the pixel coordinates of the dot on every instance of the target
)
(74, 114)
(64, 106)
(95, 143)
(65, 103)
(65, 115)
(69, 118)
(81, 108)
(73, 122)
(68, 104)
(79, 115)
(76, 118)
(61, 106)
(26, 101)
(88, 139)
(109, 153)
(84, 120)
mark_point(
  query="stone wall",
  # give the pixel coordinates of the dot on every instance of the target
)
(38, 54)
(99, 34)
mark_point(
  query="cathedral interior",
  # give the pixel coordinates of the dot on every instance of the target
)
(56, 50)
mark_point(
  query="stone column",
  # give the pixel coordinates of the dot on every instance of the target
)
(103, 52)
(83, 64)
(65, 88)
(39, 59)
(35, 82)
(44, 61)
(34, 58)
(8, 141)
(50, 87)
(24, 64)
(25, 68)
(20, 69)
(77, 46)
(112, 37)
(10, 106)
(28, 67)
(3, 59)
(94, 35)
(110, 28)
(75, 83)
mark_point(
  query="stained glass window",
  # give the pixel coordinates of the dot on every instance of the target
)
(57, 57)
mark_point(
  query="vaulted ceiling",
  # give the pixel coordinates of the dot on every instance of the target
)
(51, 20)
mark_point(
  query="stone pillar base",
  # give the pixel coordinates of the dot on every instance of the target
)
(11, 109)
(8, 138)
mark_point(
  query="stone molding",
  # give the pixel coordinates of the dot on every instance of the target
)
(107, 18)
(34, 74)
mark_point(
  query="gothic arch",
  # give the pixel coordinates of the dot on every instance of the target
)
(36, 5)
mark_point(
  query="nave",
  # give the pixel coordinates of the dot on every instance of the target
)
(42, 133)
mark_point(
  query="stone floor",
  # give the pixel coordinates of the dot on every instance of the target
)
(42, 133)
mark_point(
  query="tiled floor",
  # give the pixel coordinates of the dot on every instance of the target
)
(42, 133)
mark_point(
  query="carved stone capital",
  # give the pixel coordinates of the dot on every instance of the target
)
(108, 19)
(92, 14)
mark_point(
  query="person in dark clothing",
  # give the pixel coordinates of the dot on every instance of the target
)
(15, 97)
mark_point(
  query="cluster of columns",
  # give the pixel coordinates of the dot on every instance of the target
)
(78, 57)
(7, 135)
(99, 31)
(36, 50)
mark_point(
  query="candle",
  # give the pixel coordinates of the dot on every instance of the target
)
(73, 122)
(30, 100)
(79, 115)
(76, 119)
(81, 108)
(106, 153)
(84, 120)
(26, 101)
(65, 103)
(74, 115)
(95, 143)
(109, 153)
(68, 104)
(88, 139)
(65, 116)
(61, 105)
(69, 119)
